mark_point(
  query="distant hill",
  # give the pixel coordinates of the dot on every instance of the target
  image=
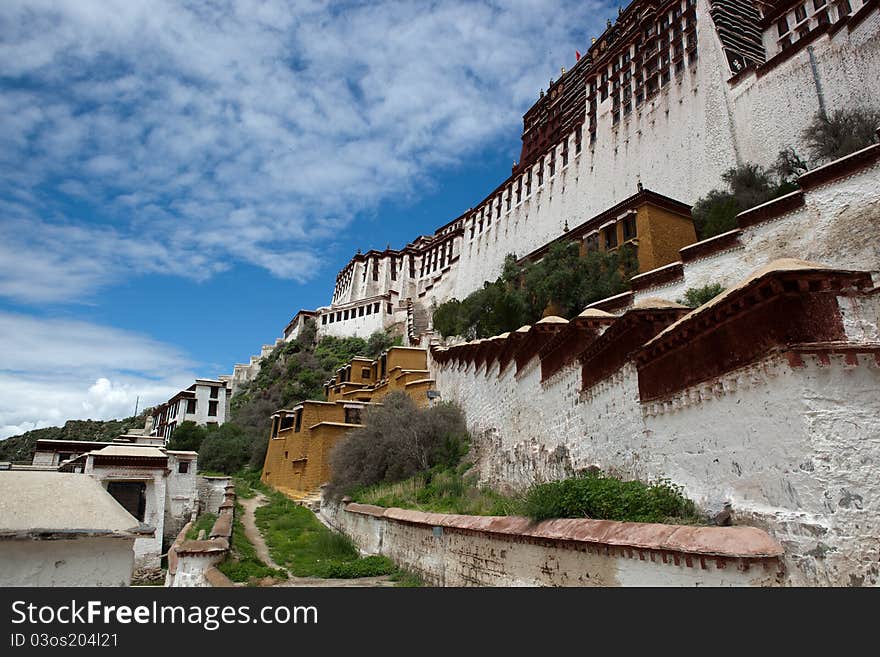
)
(20, 448)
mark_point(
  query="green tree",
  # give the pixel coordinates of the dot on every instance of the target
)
(226, 449)
(187, 436)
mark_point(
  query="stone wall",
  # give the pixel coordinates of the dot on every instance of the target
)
(192, 563)
(450, 550)
(764, 399)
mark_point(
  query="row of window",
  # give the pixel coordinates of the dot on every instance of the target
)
(353, 313)
(796, 24)
(431, 261)
(191, 407)
(481, 219)
(609, 235)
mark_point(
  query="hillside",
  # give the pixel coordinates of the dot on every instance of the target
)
(291, 373)
(20, 448)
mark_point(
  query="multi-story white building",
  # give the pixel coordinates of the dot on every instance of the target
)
(205, 402)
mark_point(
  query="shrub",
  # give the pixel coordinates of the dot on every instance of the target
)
(694, 297)
(188, 436)
(225, 449)
(842, 132)
(599, 496)
(372, 566)
(562, 283)
(397, 441)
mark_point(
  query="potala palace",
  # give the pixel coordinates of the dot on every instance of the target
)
(764, 400)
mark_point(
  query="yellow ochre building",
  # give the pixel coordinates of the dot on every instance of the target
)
(297, 458)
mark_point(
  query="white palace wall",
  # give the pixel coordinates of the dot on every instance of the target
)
(679, 144)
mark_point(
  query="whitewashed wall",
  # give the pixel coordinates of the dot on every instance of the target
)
(76, 562)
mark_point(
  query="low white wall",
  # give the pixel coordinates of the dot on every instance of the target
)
(86, 561)
(448, 550)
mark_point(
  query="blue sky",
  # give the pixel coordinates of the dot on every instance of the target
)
(178, 178)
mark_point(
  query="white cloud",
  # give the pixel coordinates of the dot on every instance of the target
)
(53, 370)
(253, 130)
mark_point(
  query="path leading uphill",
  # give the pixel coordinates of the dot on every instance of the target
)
(253, 534)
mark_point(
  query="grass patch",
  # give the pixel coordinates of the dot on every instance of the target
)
(298, 541)
(441, 491)
(591, 495)
(601, 496)
(243, 564)
(247, 483)
(205, 521)
(406, 578)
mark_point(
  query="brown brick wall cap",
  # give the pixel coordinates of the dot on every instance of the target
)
(211, 546)
(666, 274)
(776, 266)
(222, 526)
(734, 542)
(217, 579)
(707, 247)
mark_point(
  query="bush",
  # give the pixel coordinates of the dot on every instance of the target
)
(562, 283)
(599, 496)
(842, 132)
(694, 297)
(226, 449)
(372, 566)
(397, 441)
(188, 436)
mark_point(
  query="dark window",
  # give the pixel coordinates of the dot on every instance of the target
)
(629, 228)
(818, 4)
(299, 419)
(393, 269)
(800, 13)
(323, 319)
(352, 415)
(376, 307)
(611, 237)
(365, 372)
(376, 269)
(183, 467)
(191, 405)
(214, 392)
(370, 309)
(132, 495)
(782, 26)
(390, 309)
(286, 422)
(212, 409)
(344, 314)
(592, 242)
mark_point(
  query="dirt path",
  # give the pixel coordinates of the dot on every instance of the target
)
(253, 534)
(256, 538)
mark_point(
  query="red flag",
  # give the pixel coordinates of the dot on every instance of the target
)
(577, 56)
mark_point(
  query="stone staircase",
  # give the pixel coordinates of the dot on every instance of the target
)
(416, 321)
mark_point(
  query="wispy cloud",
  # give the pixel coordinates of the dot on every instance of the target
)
(57, 369)
(183, 137)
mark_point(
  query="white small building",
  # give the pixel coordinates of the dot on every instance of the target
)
(158, 487)
(205, 402)
(60, 529)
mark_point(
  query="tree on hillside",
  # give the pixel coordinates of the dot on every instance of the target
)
(840, 133)
(187, 437)
(748, 185)
(562, 283)
(398, 440)
(291, 373)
